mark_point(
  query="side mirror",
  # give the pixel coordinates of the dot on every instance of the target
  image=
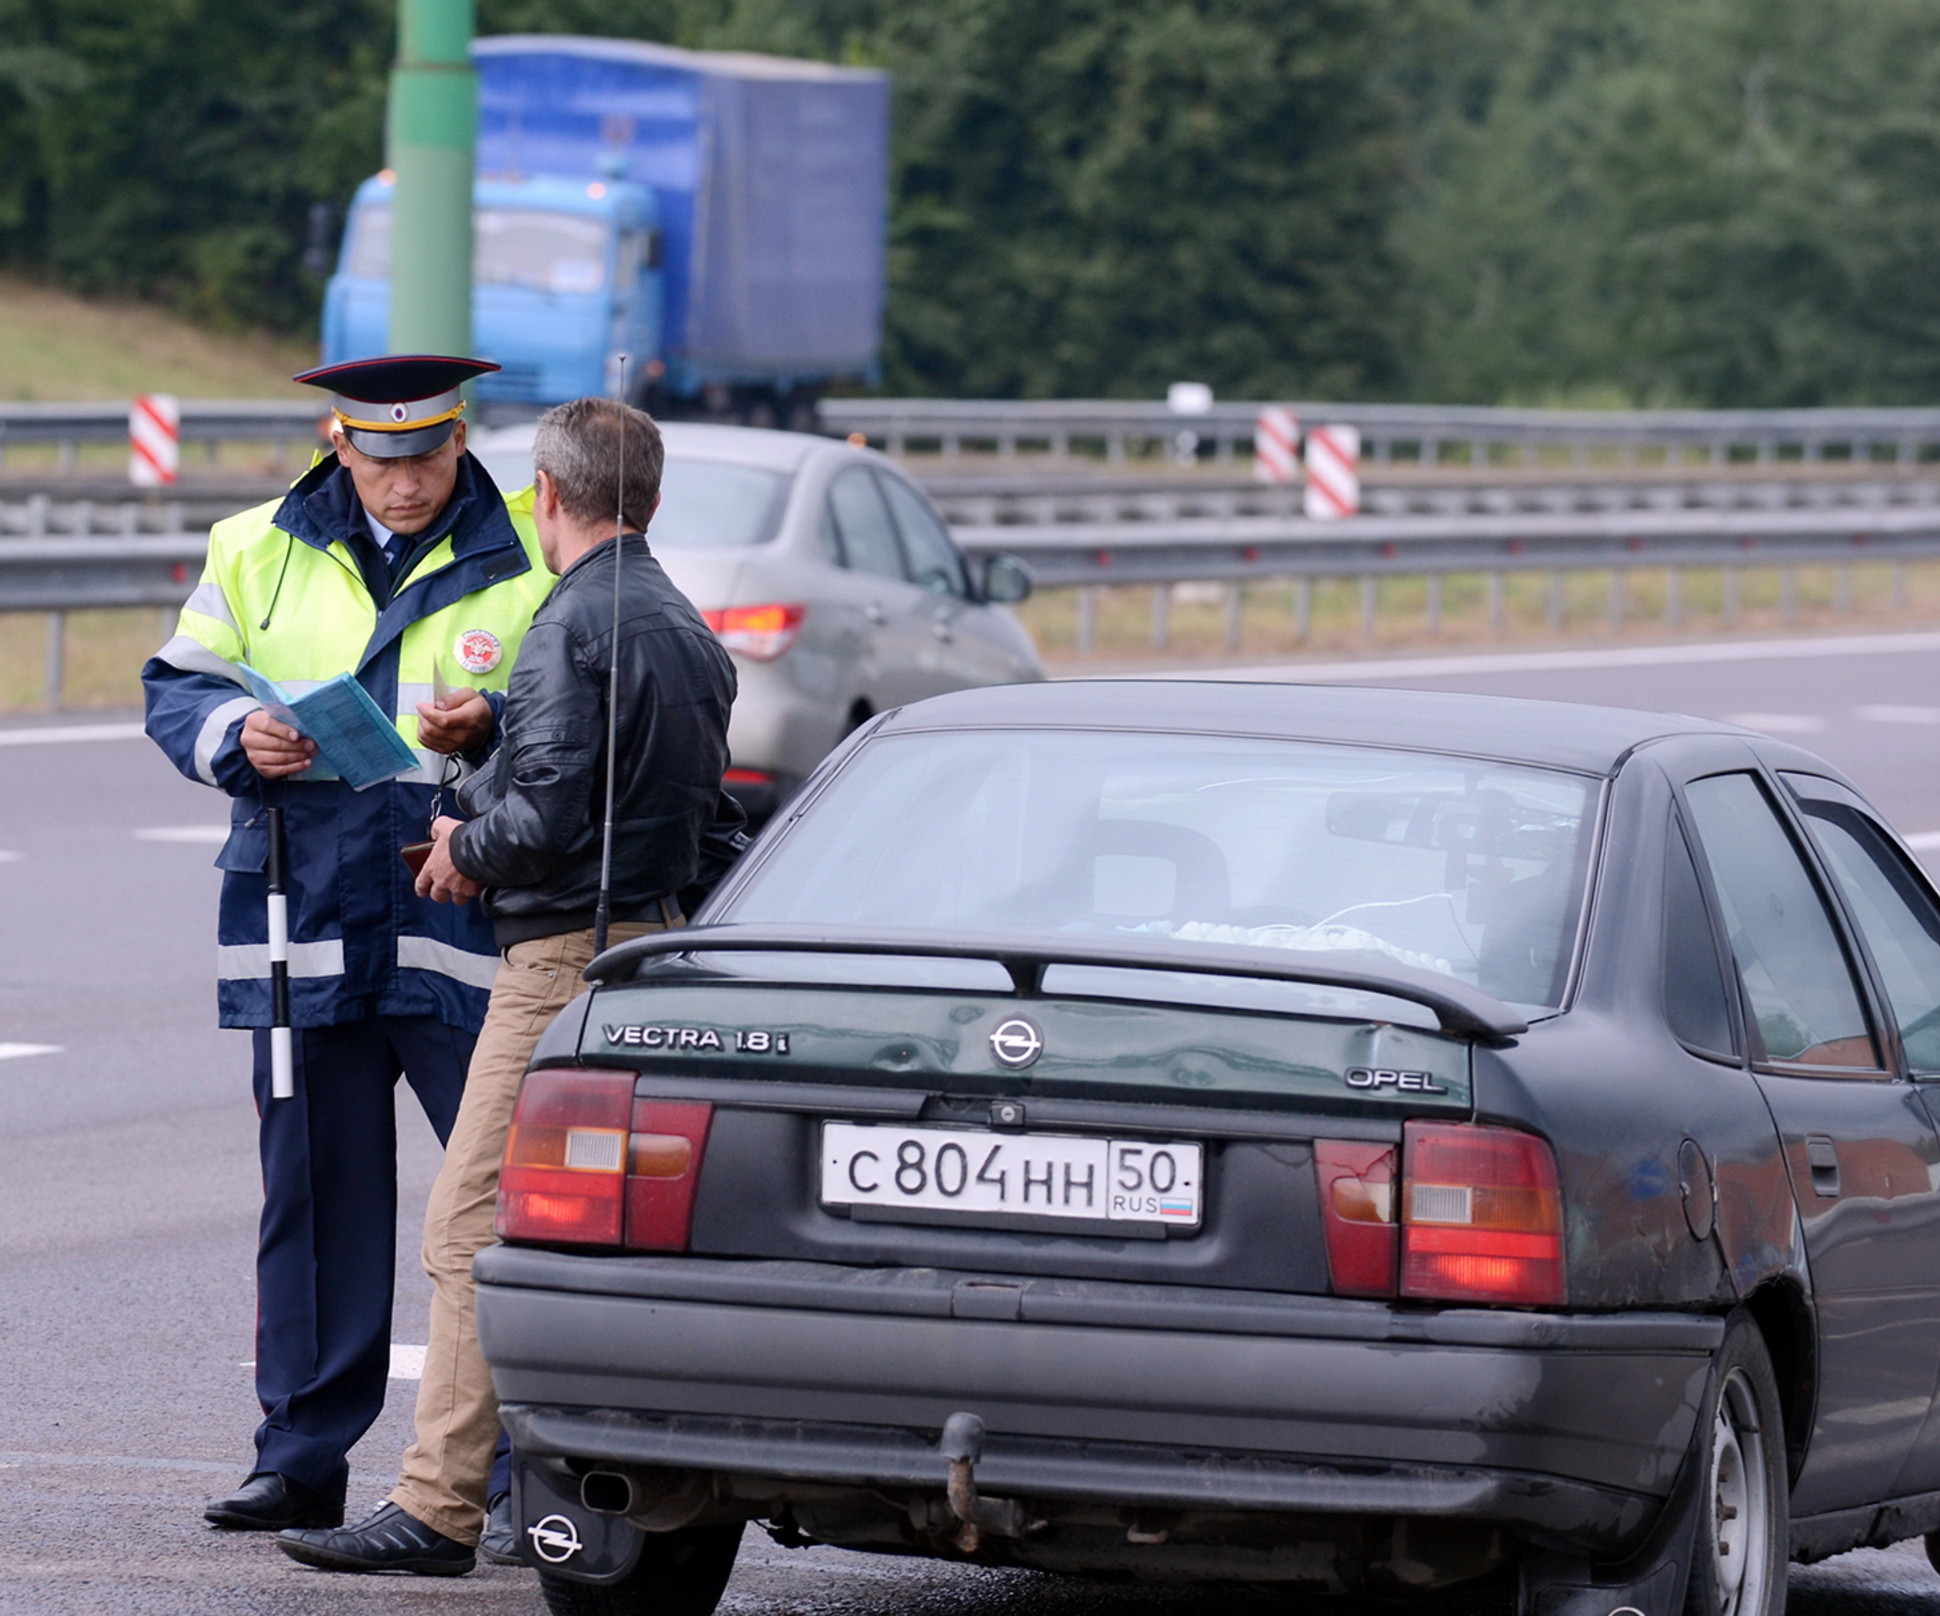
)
(1006, 580)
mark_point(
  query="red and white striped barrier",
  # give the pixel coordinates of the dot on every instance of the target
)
(1333, 472)
(154, 440)
(1275, 436)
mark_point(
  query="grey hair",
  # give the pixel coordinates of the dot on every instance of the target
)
(578, 446)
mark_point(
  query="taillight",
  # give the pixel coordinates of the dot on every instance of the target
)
(663, 1166)
(588, 1165)
(760, 632)
(1481, 1216)
(1357, 1211)
(564, 1176)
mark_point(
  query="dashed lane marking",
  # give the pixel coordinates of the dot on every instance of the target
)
(1924, 841)
(63, 733)
(211, 834)
(8, 858)
(14, 1051)
(1889, 714)
(1778, 723)
(407, 1361)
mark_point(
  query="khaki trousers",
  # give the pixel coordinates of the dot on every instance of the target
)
(446, 1468)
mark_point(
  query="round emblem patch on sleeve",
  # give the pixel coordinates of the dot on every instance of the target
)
(479, 651)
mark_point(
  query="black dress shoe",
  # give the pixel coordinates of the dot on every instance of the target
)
(267, 1502)
(389, 1540)
(499, 1542)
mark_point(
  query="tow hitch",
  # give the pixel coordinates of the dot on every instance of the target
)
(981, 1517)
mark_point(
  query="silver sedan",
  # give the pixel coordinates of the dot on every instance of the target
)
(829, 576)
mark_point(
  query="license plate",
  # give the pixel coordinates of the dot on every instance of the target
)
(1003, 1180)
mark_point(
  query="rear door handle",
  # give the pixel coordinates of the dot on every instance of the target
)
(1822, 1156)
(874, 612)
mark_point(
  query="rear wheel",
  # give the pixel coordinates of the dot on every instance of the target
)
(680, 1574)
(1743, 1537)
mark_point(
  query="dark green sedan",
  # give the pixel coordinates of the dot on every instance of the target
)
(1359, 1141)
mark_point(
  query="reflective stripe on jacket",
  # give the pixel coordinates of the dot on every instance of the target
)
(289, 588)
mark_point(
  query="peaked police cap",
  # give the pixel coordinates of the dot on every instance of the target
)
(400, 404)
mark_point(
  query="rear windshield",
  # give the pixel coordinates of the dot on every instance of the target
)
(716, 504)
(1469, 869)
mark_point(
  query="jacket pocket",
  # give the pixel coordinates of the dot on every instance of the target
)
(247, 850)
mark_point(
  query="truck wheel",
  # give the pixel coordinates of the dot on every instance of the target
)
(680, 1573)
(1744, 1512)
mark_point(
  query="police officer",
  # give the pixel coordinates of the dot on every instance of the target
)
(398, 561)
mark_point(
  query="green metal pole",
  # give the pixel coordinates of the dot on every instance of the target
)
(433, 130)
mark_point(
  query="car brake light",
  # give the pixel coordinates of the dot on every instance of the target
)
(1481, 1216)
(1357, 1211)
(747, 777)
(564, 1176)
(760, 632)
(588, 1165)
(664, 1165)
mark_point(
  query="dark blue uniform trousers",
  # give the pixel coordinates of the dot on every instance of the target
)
(328, 1247)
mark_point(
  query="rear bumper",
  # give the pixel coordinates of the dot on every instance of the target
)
(1570, 1428)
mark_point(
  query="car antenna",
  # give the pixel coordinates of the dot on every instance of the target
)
(602, 914)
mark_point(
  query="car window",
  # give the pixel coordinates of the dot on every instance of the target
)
(862, 521)
(1799, 986)
(933, 559)
(1892, 906)
(1465, 869)
(1696, 1003)
(714, 504)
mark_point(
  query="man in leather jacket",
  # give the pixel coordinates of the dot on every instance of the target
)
(532, 847)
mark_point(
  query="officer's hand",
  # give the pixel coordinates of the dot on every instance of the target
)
(440, 880)
(462, 722)
(273, 748)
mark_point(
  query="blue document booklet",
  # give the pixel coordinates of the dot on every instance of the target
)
(355, 741)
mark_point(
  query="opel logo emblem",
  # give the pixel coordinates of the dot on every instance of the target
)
(555, 1539)
(1016, 1043)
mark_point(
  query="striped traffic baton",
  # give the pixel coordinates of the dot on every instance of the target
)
(282, 1073)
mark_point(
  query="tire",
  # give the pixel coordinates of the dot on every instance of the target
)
(1743, 1544)
(680, 1573)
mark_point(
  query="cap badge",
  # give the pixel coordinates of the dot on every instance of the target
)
(400, 412)
(479, 651)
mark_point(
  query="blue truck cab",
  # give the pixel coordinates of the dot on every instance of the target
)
(722, 218)
(565, 278)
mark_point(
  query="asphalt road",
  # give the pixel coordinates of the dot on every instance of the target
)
(128, 1184)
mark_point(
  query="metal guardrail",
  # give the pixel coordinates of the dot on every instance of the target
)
(1427, 433)
(71, 506)
(285, 426)
(57, 575)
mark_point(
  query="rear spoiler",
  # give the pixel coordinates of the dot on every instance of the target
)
(1461, 1010)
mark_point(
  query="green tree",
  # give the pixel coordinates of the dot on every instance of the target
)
(1731, 202)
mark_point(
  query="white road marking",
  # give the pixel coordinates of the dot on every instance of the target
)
(14, 1051)
(59, 733)
(1923, 841)
(184, 833)
(407, 1361)
(1889, 714)
(1778, 723)
(1629, 656)
(9, 858)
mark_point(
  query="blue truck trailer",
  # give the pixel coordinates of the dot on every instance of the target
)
(720, 218)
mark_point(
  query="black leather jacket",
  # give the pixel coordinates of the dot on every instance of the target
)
(536, 809)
